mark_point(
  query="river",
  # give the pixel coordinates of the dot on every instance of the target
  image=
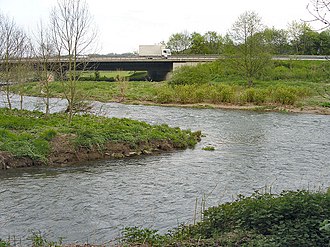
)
(93, 202)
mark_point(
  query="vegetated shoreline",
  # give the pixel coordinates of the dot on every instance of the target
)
(63, 153)
(251, 107)
(32, 139)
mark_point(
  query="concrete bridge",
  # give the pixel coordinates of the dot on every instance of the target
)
(158, 68)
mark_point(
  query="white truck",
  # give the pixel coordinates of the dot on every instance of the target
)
(154, 51)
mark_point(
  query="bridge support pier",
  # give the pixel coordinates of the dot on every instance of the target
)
(158, 75)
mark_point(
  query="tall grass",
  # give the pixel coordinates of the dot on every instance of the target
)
(231, 94)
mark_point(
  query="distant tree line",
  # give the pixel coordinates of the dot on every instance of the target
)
(298, 39)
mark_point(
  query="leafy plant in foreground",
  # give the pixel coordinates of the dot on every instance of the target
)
(292, 218)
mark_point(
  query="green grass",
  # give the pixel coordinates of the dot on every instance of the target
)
(28, 134)
(112, 75)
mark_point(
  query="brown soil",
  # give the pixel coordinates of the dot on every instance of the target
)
(64, 153)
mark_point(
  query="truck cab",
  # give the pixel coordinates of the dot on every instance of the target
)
(166, 53)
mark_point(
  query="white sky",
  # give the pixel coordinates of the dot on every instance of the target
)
(125, 24)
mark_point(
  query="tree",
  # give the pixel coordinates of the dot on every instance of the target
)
(249, 55)
(325, 42)
(214, 42)
(44, 51)
(303, 39)
(198, 44)
(277, 39)
(14, 46)
(179, 42)
(320, 9)
(73, 34)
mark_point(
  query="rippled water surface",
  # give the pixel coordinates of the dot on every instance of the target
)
(94, 201)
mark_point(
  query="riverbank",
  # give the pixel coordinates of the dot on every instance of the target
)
(277, 96)
(291, 218)
(260, 108)
(32, 138)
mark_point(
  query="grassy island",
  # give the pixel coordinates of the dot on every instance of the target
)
(31, 138)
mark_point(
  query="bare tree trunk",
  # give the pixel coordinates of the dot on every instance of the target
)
(73, 35)
(13, 48)
(44, 51)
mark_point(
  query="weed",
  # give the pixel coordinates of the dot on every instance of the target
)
(38, 240)
(4, 243)
(208, 148)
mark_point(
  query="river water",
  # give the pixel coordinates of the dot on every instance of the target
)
(94, 201)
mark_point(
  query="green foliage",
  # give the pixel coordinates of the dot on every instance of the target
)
(28, 134)
(97, 75)
(234, 94)
(223, 93)
(325, 226)
(290, 219)
(253, 95)
(325, 104)
(141, 236)
(187, 75)
(293, 218)
(208, 148)
(298, 38)
(48, 134)
(38, 240)
(298, 70)
(4, 243)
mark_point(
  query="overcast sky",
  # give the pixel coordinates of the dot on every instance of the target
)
(125, 24)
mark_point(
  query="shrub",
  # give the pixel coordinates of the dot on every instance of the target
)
(165, 94)
(223, 93)
(289, 219)
(292, 218)
(283, 95)
(141, 236)
(186, 75)
(4, 243)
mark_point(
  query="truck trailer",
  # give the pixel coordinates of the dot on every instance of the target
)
(154, 51)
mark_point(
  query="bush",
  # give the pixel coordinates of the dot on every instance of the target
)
(290, 219)
(223, 93)
(293, 218)
(165, 95)
(187, 75)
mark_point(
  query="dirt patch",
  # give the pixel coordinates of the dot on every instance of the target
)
(9, 161)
